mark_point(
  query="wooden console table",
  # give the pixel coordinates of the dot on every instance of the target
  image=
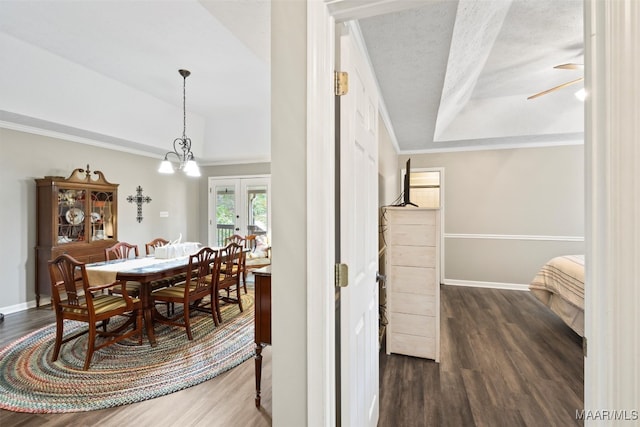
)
(262, 320)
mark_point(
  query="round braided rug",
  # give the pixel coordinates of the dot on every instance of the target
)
(124, 372)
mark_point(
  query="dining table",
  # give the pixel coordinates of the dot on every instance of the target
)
(144, 270)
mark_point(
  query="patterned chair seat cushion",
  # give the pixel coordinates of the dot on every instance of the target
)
(133, 289)
(102, 304)
(254, 262)
(176, 291)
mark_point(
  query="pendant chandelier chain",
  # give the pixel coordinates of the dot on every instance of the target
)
(184, 106)
(186, 159)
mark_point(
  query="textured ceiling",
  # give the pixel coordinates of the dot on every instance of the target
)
(453, 75)
(456, 75)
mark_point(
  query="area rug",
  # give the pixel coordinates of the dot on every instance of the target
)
(124, 372)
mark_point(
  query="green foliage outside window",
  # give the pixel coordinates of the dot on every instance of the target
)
(225, 207)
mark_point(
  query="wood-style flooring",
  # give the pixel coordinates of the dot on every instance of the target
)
(226, 400)
(506, 360)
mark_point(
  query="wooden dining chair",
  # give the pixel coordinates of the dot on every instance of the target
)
(121, 250)
(124, 250)
(75, 299)
(192, 292)
(231, 263)
(259, 254)
(236, 238)
(150, 247)
(242, 241)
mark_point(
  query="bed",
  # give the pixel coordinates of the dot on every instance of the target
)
(560, 286)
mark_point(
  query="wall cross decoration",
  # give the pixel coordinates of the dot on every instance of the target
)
(139, 199)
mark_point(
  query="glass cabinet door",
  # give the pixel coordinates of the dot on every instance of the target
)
(71, 212)
(101, 212)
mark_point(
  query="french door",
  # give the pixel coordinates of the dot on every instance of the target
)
(238, 205)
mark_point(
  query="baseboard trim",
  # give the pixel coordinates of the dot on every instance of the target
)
(492, 285)
(24, 306)
(514, 237)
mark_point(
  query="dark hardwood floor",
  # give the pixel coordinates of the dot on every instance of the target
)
(505, 361)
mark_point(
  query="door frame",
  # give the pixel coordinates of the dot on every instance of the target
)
(322, 17)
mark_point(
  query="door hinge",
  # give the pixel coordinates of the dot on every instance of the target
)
(341, 275)
(584, 346)
(341, 82)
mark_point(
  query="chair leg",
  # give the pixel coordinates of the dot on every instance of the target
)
(214, 313)
(244, 280)
(59, 333)
(138, 325)
(91, 345)
(187, 324)
(217, 296)
(238, 295)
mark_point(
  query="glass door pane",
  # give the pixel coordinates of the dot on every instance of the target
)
(238, 206)
(71, 221)
(257, 209)
(101, 215)
(225, 210)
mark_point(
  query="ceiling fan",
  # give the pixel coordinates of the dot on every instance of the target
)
(569, 66)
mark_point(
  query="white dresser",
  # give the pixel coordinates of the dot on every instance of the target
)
(412, 237)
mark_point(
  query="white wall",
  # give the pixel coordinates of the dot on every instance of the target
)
(26, 156)
(508, 211)
(388, 173)
(85, 101)
(289, 212)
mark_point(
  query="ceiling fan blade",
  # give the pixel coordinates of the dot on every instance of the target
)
(570, 66)
(556, 88)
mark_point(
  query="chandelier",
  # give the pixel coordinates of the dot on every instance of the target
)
(182, 145)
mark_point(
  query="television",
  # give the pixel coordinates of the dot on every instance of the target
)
(406, 190)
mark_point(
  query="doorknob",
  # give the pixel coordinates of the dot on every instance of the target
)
(237, 229)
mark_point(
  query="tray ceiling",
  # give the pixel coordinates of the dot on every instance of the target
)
(454, 75)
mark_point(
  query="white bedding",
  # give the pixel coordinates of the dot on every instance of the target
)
(560, 286)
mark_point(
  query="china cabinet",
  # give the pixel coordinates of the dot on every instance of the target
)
(75, 215)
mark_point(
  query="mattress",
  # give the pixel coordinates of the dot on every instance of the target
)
(560, 286)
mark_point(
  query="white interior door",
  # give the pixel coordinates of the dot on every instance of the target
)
(358, 240)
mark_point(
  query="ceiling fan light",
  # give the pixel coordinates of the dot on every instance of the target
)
(581, 94)
(166, 167)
